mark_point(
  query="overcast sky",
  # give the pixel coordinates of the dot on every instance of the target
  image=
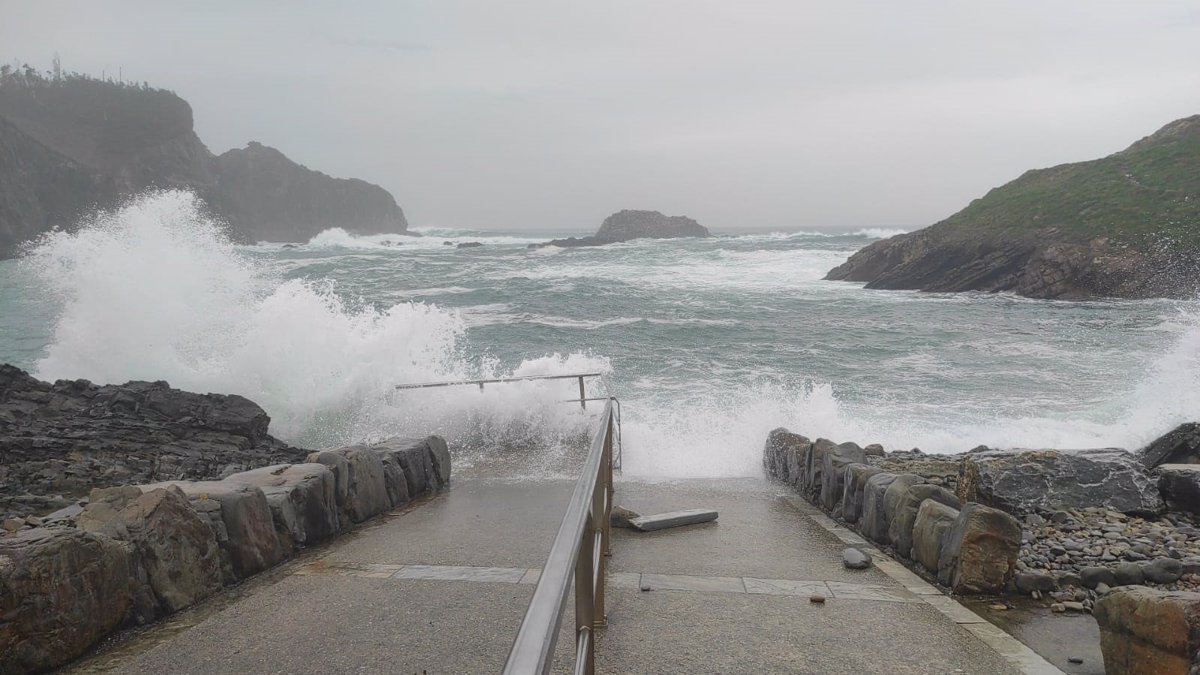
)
(781, 114)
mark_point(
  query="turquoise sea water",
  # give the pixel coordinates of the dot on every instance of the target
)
(709, 343)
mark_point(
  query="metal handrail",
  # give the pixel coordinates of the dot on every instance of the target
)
(582, 400)
(579, 551)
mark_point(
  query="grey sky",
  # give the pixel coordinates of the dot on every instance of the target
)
(550, 114)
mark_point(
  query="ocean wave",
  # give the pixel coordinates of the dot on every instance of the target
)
(879, 232)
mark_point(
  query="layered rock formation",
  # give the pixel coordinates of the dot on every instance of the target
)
(629, 224)
(71, 145)
(60, 440)
(1123, 226)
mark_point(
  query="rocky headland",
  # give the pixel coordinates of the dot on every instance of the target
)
(628, 225)
(1122, 226)
(69, 145)
(1107, 531)
(124, 503)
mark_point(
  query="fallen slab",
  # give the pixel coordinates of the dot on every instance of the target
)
(662, 521)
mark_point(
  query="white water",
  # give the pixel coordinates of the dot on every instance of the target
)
(713, 355)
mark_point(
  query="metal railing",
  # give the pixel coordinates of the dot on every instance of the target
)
(579, 551)
(582, 400)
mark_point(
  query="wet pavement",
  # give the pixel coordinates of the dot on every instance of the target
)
(441, 587)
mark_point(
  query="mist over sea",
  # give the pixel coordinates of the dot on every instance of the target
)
(709, 343)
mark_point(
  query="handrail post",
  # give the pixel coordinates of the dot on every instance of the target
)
(584, 578)
(582, 394)
(606, 473)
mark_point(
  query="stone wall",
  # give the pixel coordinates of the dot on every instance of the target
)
(134, 553)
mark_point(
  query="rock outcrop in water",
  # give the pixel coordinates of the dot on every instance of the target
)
(70, 145)
(629, 224)
(1123, 226)
(60, 440)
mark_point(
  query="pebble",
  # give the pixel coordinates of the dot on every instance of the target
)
(1074, 659)
(817, 599)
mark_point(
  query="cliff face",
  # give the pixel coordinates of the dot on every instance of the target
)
(71, 145)
(1127, 225)
(273, 198)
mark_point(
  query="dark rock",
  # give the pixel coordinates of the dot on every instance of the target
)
(61, 590)
(58, 441)
(174, 544)
(1179, 485)
(980, 553)
(366, 486)
(891, 501)
(1162, 570)
(469, 244)
(302, 498)
(1093, 576)
(855, 559)
(628, 225)
(426, 462)
(781, 455)
(1143, 630)
(1128, 574)
(1028, 582)
(1024, 481)
(873, 524)
(833, 475)
(900, 531)
(855, 481)
(247, 533)
(932, 526)
(874, 450)
(1181, 445)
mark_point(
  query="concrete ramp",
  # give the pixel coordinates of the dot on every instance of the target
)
(441, 587)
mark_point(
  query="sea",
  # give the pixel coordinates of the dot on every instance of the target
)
(708, 344)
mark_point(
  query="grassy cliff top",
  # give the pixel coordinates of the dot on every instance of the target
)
(1146, 196)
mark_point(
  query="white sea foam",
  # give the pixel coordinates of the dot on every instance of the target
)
(156, 291)
(879, 232)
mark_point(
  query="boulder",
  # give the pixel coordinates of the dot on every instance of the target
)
(249, 542)
(1149, 632)
(980, 553)
(417, 458)
(1179, 485)
(1094, 575)
(61, 590)
(302, 498)
(930, 529)
(814, 472)
(833, 474)
(900, 531)
(1181, 445)
(1028, 582)
(366, 493)
(174, 544)
(855, 482)
(393, 478)
(1023, 481)
(340, 467)
(891, 502)
(872, 523)
(1128, 574)
(856, 559)
(1162, 570)
(781, 446)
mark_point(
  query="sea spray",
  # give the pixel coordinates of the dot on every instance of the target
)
(709, 343)
(155, 290)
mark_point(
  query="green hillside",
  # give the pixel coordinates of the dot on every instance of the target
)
(1145, 196)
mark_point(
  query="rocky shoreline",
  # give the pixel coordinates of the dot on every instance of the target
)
(163, 497)
(1107, 532)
